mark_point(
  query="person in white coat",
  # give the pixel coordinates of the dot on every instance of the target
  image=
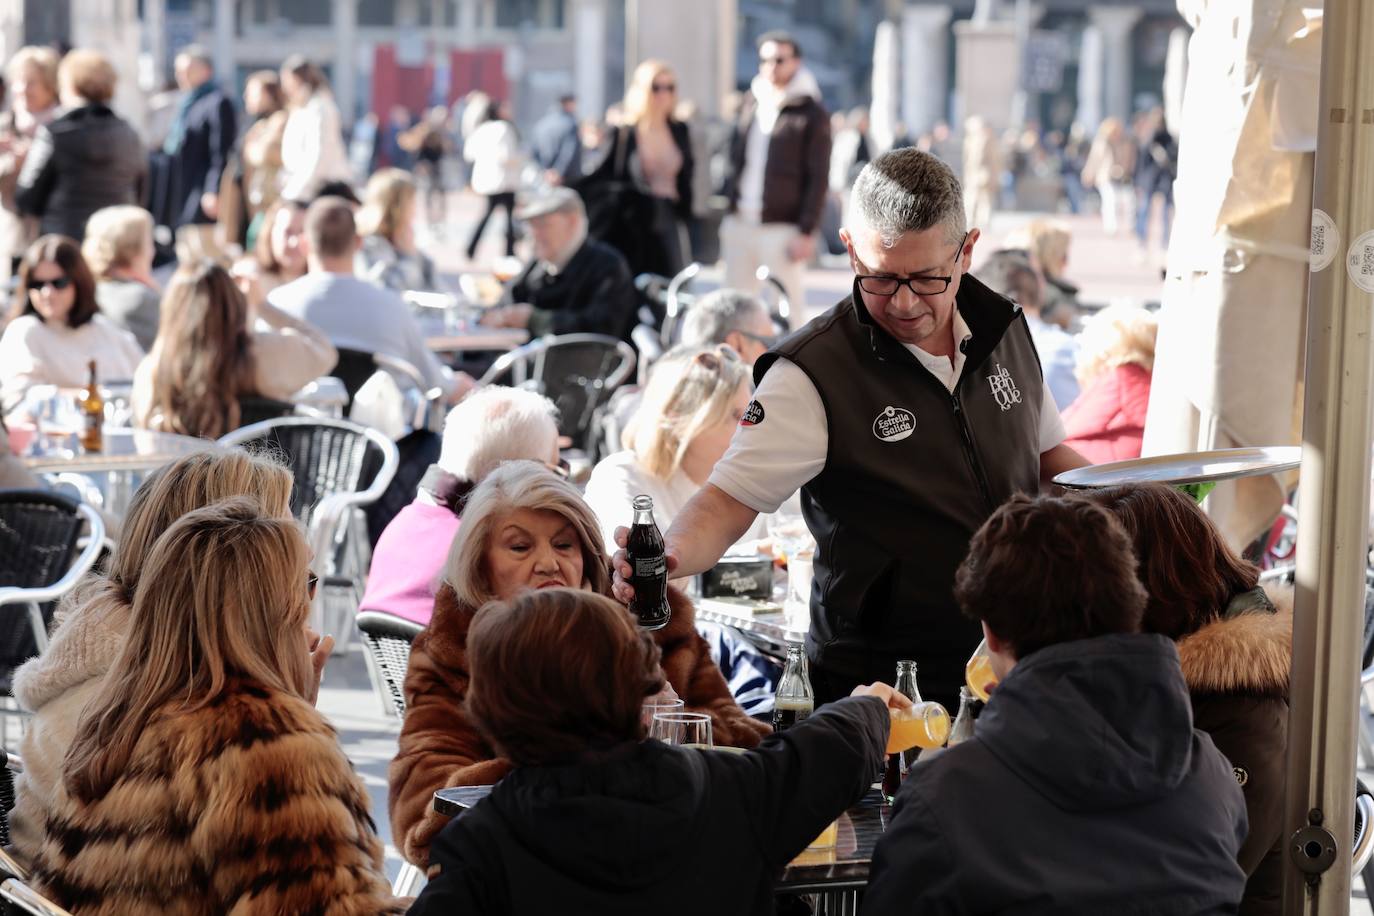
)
(312, 147)
(493, 149)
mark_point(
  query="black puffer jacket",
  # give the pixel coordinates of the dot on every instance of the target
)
(1237, 669)
(85, 159)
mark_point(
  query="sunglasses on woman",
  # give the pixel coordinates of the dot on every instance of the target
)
(57, 283)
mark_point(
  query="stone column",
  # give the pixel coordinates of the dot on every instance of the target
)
(1116, 24)
(346, 59)
(588, 26)
(225, 65)
(1090, 65)
(467, 23)
(925, 75)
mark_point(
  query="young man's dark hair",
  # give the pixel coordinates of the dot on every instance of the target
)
(780, 37)
(1045, 571)
(1085, 753)
(330, 227)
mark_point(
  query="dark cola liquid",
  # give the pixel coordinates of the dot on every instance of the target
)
(787, 714)
(892, 777)
(649, 576)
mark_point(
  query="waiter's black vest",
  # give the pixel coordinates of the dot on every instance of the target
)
(910, 474)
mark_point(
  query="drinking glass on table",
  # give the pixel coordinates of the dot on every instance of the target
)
(686, 729)
(654, 707)
(793, 540)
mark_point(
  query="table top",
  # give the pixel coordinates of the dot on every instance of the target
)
(124, 450)
(846, 864)
(477, 338)
(1190, 467)
(769, 625)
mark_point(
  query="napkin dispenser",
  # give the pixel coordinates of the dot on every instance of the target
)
(738, 577)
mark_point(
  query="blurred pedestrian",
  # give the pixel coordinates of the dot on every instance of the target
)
(312, 142)
(32, 75)
(1048, 242)
(640, 197)
(1156, 168)
(429, 142)
(389, 255)
(200, 141)
(780, 160)
(557, 143)
(983, 167)
(493, 148)
(260, 157)
(1110, 165)
(84, 159)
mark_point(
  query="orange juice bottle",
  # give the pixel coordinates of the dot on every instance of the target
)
(925, 725)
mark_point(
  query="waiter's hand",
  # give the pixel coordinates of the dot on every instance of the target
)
(622, 589)
(893, 698)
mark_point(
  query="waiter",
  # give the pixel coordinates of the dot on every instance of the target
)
(906, 415)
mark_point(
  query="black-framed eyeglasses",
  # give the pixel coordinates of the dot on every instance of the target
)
(58, 283)
(768, 340)
(775, 61)
(312, 583)
(562, 468)
(921, 286)
(665, 87)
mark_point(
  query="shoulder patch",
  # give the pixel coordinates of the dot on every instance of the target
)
(753, 414)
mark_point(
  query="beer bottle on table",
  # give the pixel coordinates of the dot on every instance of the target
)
(969, 708)
(897, 763)
(794, 700)
(645, 553)
(93, 415)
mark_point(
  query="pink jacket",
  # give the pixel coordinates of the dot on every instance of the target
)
(1107, 420)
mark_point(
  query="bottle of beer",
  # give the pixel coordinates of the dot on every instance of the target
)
(644, 552)
(898, 764)
(93, 415)
(969, 708)
(795, 700)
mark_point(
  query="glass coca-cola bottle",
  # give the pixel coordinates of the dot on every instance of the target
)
(645, 553)
(794, 700)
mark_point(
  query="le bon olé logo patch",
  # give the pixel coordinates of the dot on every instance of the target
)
(894, 424)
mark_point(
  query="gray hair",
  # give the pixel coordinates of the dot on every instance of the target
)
(907, 190)
(198, 53)
(495, 425)
(712, 317)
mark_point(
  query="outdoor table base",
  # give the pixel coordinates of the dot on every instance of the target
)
(832, 878)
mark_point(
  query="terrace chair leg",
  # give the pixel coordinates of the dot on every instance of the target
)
(408, 882)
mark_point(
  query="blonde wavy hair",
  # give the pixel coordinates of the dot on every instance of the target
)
(689, 390)
(520, 485)
(223, 599)
(114, 237)
(1119, 335)
(388, 192)
(41, 59)
(640, 90)
(1048, 242)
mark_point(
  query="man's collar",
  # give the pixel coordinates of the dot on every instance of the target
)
(978, 313)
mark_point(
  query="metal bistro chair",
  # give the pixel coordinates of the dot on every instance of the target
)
(339, 467)
(387, 639)
(25, 899)
(578, 372)
(41, 559)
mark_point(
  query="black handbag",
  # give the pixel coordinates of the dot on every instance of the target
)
(618, 212)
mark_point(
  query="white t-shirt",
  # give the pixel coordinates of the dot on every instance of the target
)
(618, 479)
(767, 462)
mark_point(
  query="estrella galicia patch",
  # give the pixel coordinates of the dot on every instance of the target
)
(894, 424)
(753, 414)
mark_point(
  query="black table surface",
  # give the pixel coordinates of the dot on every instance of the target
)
(846, 864)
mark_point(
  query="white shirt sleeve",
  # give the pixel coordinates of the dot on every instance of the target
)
(771, 459)
(1052, 430)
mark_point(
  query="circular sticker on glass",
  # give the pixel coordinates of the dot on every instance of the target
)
(1326, 241)
(1359, 262)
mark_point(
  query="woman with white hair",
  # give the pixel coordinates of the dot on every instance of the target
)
(489, 427)
(119, 251)
(693, 403)
(1115, 361)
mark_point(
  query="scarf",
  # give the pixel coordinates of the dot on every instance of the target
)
(177, 133)
(448, 490)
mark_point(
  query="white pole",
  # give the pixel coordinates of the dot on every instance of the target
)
(1334, 521)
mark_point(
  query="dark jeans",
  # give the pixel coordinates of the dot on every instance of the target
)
(505, 200)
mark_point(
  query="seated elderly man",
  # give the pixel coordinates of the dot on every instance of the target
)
(733, 317)
(491, 426)
(574, 285)
(1106, 799)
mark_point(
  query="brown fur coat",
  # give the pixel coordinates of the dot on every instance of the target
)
(1237, 672)
(246, 807)
(439, 748)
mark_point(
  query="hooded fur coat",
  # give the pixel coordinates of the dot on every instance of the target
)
(1237, 671)
(246, 807)
(440, 748)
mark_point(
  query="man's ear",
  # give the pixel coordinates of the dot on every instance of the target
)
(966, 256)
(848, 238)
(994, 643)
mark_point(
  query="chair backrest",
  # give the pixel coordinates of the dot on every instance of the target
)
(387, 639)
(27, 900)
(38, 543)
(255, 408)
(354, 368)
(325, 456)
(578, 372)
